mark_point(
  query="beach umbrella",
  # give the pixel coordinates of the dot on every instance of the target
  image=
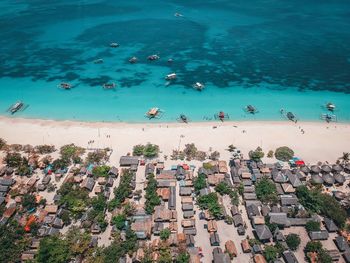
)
(337, 168)
(339, 195)
(328, 179)
(305, 169)
(316, 179)
(315, 169)
(326, 168)
(339, 178)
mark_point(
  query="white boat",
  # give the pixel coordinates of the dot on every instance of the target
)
(178, 15)
(133, 60)
(153, 113)
(171, 76)
(153, 57)
(114, 45)
(98, 61)
(198, 86)
(109, 85)
(330, 106)
(16, 107)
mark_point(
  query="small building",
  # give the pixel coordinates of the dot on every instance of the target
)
(187, 207)
(113, 172)
(289, 257)
(185, 191)
(238, 220)
(341, 244)
(279, 219)
(190, 241)
(128, 161)
(188, 214)
(149, 169)
(330, 225)
(263, 233)
(252, 210)
(318, 235)
(231, 249)
(258, 258)
(234, 210)
(212, 226)
(245, 246)
(88, 183)
(172, 198)
(214, 239)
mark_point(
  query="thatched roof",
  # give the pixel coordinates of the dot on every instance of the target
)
(305, 169)
(339, 195)
(315, 169)
(316, 179)
(337, 168)
(326, 168)
(347, 166)
(339, 178)
(328, 179)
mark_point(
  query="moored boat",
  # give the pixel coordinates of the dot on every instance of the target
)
(291, 116)
(222, 116)
(183, 118)
(153, 113)
(198, 86)
(153, 57)
(171, 76)
(251, 109)
(111, 85)
(133, 60)
(329, 117)
(330, 106)
(16, 107)
(64, 85)
(114, 45)
(98, 61)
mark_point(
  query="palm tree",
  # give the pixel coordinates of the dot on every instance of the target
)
(345, 158)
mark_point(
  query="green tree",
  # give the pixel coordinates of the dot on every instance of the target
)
(266, 190)
(78, 241)
(284, 153)
(53, 249)
(13, 159)
(210, 202)
(257, 154)
(313, 246)
(138, 150)
(270, 154)
(164, 234)
(152, 198)
(69, 151)
(190, 151)
(313, 226)
(101, 171)
(151, 150)
(29, 201)
(2, 144)
(119, 221)
(231, 148)
(293, 241)
(223, 188)
(199, 183)
(214, 156)
(270, 253)
(324, 257)
(97, 157)
(183, 257)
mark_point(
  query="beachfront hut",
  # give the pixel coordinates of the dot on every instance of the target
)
(316, 179)
(214, 239)
(294, 180)
(328, 179)
(315, 169)
(263, 233)
(326, 168)
(337, 168)
(341, 244)
(339, 178)
(318, 235)
(330, 225)
(128, 160)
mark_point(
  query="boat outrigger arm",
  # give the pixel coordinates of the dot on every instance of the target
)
(18, 106)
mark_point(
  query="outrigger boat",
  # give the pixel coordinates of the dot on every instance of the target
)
(154, 113)
(153, 57)
(183, 118)
(109, 85)
(330, 106)
(251, 109)
(16, 107)
(290, 116)
(171, 76)
(222, 116)
(64, 85)
(114, 45)
(198, 86)
(329, 117)
(133, 60)
(178, 15)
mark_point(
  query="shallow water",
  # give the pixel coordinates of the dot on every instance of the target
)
(271, 54)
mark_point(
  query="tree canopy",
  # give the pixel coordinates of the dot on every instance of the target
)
(293, 241)
(266, 190)
(53, 250)
(257, 154)
(284, 153)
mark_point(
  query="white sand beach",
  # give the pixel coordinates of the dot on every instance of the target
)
(319, 142)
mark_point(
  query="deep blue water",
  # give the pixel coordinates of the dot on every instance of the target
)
(273, 54)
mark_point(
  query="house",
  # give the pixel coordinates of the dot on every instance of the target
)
(51, 209)
(161, 214)
(288, 188)
(113, 172)
(180, 173)
(88, 183)
(212, 226)
(234, 210)
(185, 191)
(46, 180)
(190, 231)
(245, 246)
(164, 193)
(252, 210)
(204, 191)
(186, 199)
(289, 257)
(341, 244)
(58, 223)
(346, 256)
(221, 258)
(249, 196)
(129, 161)
(7, 181)
(330, 225)
(187, 207)
(263, 233)
(188, 214)
(188, 223)
(258, 220)
(142, 226)
(214, 239)
(279, 219)
(172, 198)
(231, 248)
(238, 220)
(241, 230)
(215, 179)
(258, 258)
(318, 235)
(190, 241)
(289, 200)
(149, 169)
(110, 182)
(294, 180)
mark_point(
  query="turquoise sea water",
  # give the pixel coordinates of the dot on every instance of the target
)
(272, 54)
